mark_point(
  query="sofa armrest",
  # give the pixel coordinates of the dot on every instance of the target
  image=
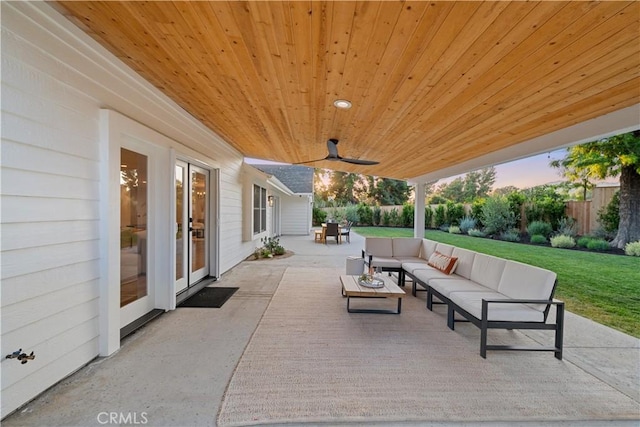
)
(558, 326)
(559, 304)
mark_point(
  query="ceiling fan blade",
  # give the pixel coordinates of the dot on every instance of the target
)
(332, 147)
(309, 161)
(359, 161)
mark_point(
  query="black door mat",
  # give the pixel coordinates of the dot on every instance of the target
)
(209, 298)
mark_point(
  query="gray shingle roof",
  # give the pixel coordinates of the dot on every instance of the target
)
(299, 179)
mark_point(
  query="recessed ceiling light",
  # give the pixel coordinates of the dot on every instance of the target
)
(342, 104)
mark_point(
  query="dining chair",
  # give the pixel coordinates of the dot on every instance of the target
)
(344, 231)
(332, 231)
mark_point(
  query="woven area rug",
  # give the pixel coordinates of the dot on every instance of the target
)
(311, 361)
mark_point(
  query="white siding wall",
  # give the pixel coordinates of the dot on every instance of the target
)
(55, 79)
(296, 215)
(50, 236)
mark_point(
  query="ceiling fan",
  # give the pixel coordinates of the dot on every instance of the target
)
(332, 147)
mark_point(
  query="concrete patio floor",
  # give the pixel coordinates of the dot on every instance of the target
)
(174, 371)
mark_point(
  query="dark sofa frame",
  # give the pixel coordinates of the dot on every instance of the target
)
(484, 324)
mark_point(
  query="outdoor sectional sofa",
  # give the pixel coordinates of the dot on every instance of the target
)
(490, 292)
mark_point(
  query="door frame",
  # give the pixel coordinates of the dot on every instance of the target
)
(118, 131)
(114, 129)
(213, 217)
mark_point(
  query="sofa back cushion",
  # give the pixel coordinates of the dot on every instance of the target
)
(406, 246)
(428, 248)
(522, 281)
(379, 246)
(445, 263)
(444, 249)
(487, 270)
(465, 262)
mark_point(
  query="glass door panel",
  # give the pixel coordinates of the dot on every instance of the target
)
(198, 227)
(192, 224)
(181, 226)
(133, 227)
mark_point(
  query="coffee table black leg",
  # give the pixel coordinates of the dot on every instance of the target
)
(370, 310)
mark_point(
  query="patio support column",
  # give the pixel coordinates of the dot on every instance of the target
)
(418, 216)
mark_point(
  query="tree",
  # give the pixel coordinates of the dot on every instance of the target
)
(610, 157)
(469, 187)
(343, 187)
(580, 177)
(388, 191)
(478, 183)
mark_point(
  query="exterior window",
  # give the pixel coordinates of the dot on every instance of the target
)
(259, 209)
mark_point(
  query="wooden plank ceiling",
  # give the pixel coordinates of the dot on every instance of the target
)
(432, 83)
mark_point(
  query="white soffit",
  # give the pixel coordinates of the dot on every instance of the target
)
(621, 121)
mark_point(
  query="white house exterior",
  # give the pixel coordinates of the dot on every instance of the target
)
(293, 208)
(98, 184)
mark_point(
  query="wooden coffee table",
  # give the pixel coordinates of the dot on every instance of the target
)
(352, 289)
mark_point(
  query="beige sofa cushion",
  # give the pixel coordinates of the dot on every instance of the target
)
(385, 262)
(444, 249)
(428, 248)
(487, 270)
(411, 267)
(426, 275)
(472, 303)
(465, 261)
(522, 281)
(406, 246)
(446, 286)
(379, 246)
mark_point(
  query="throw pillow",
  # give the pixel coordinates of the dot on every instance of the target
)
(444, 263)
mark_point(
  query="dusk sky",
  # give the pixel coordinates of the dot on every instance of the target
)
(528, 172)
(524, 173)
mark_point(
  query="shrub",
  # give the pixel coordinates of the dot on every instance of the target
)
(540, 228)
(395, 220)
(351, 214)
(598, 245)
(568, 227)
(545, 204)
(609, 216)
(319, 216)
(428, 217)
(562, 241)
(584, 241)
(376, 216)
(455, 213)
(498, 216)
(601, 233)
(407, 215)
(510, 236)
(538, 239)
(437, 199)
(516, 200)
(454, 229)
(476, 233)
(386, 218)
(467, 224)
(632, 248)
(365, 213)
(440, 217)
(476, 210)
(271, 246)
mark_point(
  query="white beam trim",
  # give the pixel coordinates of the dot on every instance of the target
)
(418, 215)
(621, 121)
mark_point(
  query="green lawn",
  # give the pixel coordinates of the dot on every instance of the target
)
(602, 287)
